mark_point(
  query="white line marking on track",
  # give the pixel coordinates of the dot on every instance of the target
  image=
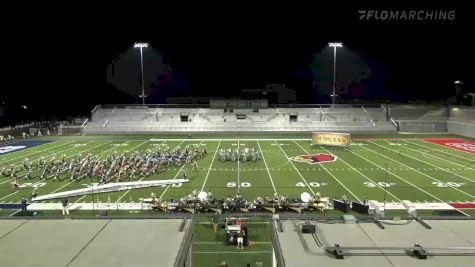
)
(267, 168)
(397, 176)
(336, 179)
(214, 156)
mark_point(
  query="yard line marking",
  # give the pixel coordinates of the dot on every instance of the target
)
(461, 176)
(446, 152)
(214, 156)
(267, 168)
(422, 162)
(301, 176)
(336, 179)
(238, 156)
(369, 179)
(402, 179)
(41, 151)
(444, 160)
(5, 181)
(430, 177)
(14, 213)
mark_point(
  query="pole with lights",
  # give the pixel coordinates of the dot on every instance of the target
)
(458, 92)
(334, 45)
(141, 45)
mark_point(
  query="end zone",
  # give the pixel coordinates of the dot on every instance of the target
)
(18, 146)
(462, 145)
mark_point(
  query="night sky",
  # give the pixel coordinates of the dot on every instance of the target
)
(56, 62)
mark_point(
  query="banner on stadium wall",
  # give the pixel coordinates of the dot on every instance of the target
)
(331, 139)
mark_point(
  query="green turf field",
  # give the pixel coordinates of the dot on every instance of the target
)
(209, 249)
(409, 169)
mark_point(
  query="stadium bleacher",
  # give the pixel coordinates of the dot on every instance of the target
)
(337, 118)
(163, 119)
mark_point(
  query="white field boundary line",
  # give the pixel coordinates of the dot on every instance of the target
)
(238, 156)
(8, 180)
(289, 160)
(331, 174)
(40, 151)
(402, 179)
(210, 166)
(443, 149)
(129, 190)
(439, 158)
(82, 151)
(174, 177)
(362, 174)
(267, 168)
(461, 176)
(15, 212)
(426, 175)
(452, 161)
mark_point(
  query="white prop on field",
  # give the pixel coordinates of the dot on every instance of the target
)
(111, 187)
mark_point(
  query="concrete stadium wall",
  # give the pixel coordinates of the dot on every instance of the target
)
(423, 126)
(462, 114)
(461, 128)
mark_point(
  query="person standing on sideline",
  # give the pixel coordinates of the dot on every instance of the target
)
(365, 199)
(215, 220)
(240, 240)
(65, 203)
(24, 205)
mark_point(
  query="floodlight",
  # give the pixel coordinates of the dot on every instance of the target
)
(141, 45)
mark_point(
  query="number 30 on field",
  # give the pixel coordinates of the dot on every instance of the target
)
(448, 184)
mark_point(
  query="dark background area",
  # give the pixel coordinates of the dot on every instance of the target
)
(55, 62)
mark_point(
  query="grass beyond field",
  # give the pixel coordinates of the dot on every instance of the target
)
(209, 249)
(411, 169)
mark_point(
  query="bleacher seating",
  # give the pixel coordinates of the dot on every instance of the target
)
(163, 119)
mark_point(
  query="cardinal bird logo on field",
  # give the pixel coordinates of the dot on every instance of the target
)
(314, 159)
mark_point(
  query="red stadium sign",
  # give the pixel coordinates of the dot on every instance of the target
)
(462, 145)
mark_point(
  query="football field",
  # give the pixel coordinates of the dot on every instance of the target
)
(420, 170)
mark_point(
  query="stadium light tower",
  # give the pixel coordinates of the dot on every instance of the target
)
(141, 45)
(334, 45)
